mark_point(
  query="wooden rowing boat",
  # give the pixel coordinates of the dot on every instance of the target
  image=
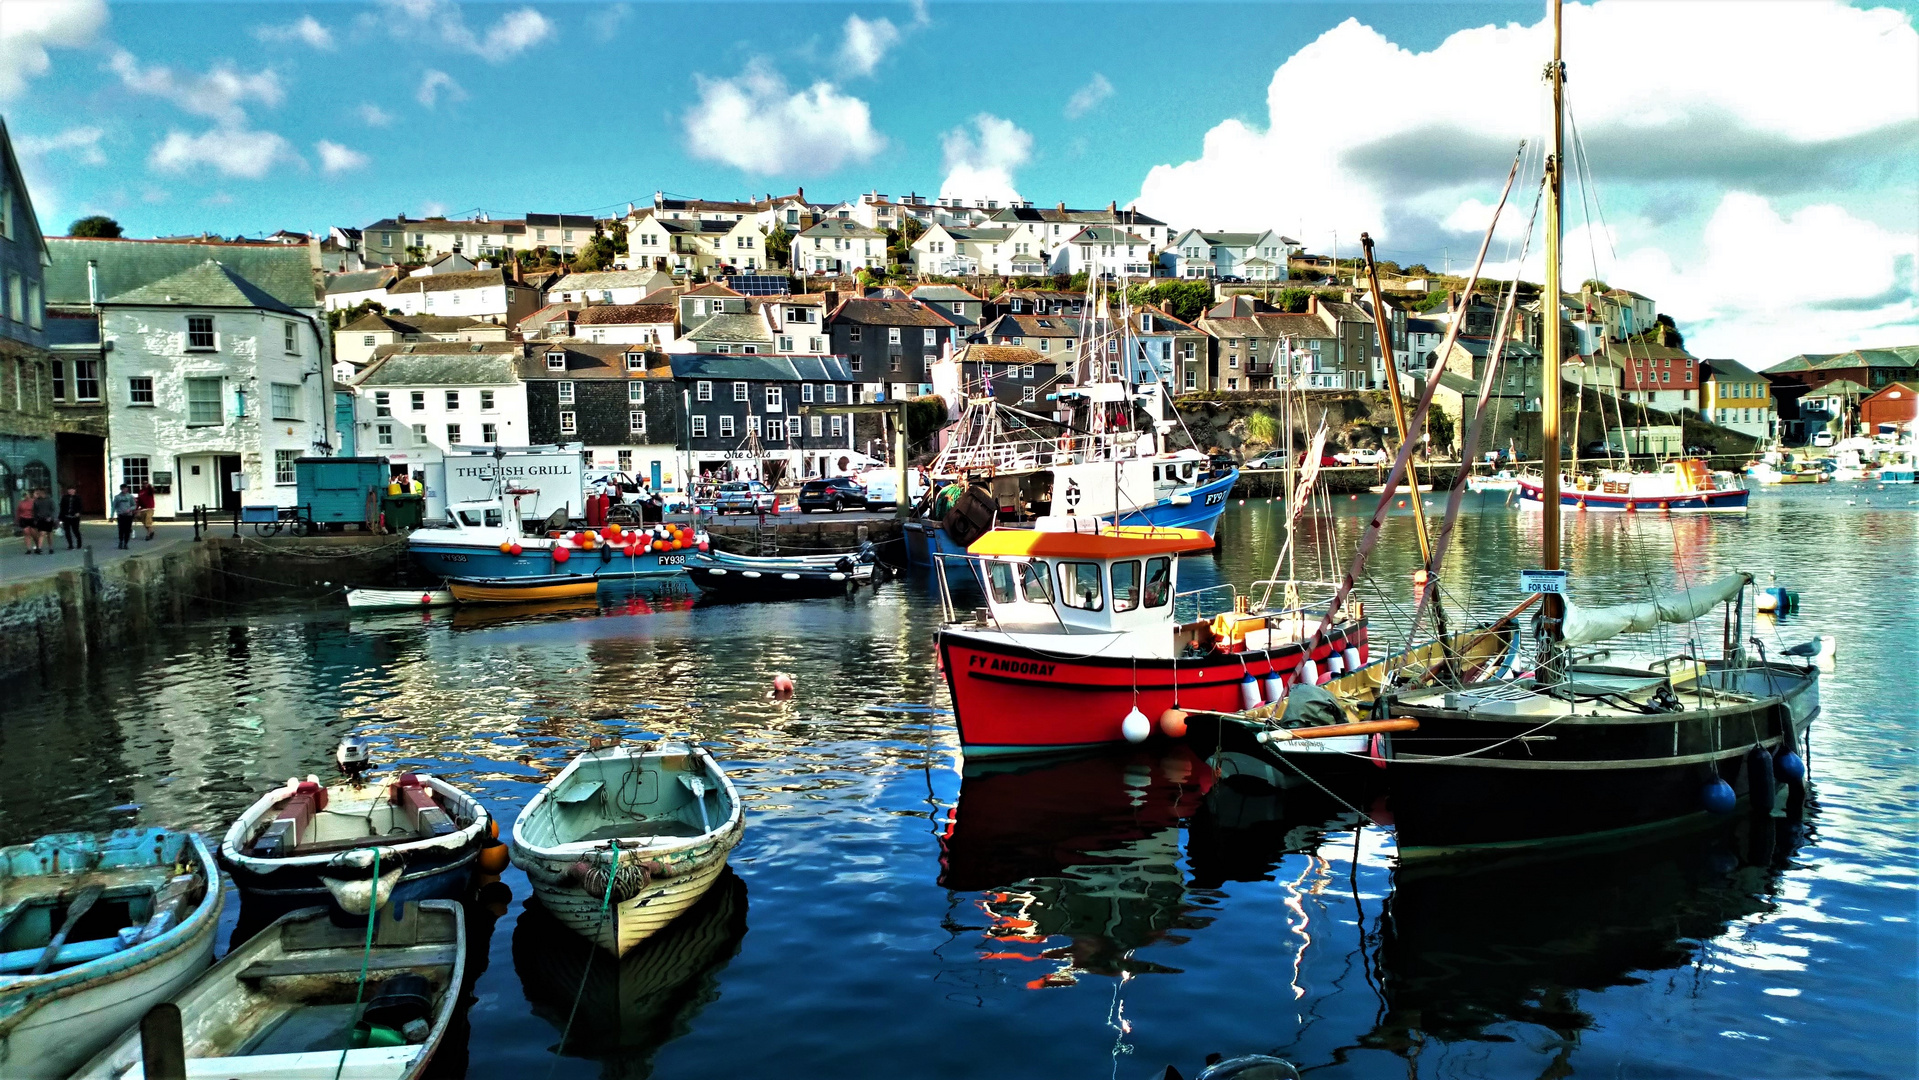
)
(522, 590)
(382, 599)
(626, 838)
(282, 1005)
(148, 931)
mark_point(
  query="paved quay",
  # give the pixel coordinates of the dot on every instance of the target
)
(101, 536)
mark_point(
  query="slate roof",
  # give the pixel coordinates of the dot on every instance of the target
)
(627, 314)
(1004, 354)
(889, 313)
(1084, 217)
(1731, 371)
(442, 363)
(1842, 388)
(1266, 324)
(1897, 356)
(763, 368)
(983, 236)
(551, 313)
(207, 285)
(607, 279)
(1104, 234)
(1059, 326)
(1642, 350)
(589, 360)
(943, 293)
(503, 226)
(278, 270)
(414, 324)
(459, 279)
(730, 326)
(845, 229)
(1177, 325)
(357, 281)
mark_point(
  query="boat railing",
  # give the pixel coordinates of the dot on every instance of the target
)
(1230, 591)
(1023, 455)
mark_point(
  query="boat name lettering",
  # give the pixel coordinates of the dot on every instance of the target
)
(672, 560)
(1016, 667)
(454, 558)
(1215, 498)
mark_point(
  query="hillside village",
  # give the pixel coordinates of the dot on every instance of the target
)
(662, 340)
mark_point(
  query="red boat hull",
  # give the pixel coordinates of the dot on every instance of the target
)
(1013, 700)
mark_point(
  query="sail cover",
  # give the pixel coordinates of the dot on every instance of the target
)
(1583, 626)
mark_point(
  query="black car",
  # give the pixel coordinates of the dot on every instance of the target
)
(835, 494)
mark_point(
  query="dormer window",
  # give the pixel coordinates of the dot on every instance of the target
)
(556, 361)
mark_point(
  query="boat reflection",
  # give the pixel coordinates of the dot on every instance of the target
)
(487, 616)
(627, 1010)
(1463, 951)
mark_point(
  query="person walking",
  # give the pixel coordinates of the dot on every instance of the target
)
(124, 506)
(70, 516)
(44, 519)
(23, 518)
(144, 506)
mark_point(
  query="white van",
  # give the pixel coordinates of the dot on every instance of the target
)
(883, 487)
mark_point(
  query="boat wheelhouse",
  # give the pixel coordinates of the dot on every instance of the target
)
(1080, 630)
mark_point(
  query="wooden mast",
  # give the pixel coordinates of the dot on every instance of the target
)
(1383, 329)
(1553, 609)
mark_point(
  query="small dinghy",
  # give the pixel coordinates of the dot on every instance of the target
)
(386, 599)
(626, 838)
(305, 843)
(283, 1004)
(742, 577)
(93, 932)
(522, 590)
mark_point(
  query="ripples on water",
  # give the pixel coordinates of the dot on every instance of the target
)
(894, 915)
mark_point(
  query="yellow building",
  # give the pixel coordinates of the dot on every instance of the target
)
(1736, 397)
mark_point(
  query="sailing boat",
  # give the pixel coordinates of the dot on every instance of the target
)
(1571, 749)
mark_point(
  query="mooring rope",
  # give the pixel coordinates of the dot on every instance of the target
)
(606, 903)
(366, 957)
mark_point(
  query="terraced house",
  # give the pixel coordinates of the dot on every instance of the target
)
(27, 445)
(890, 346)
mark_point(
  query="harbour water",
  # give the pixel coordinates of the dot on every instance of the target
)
(894, 914)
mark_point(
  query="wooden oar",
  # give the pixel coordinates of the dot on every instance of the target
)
(1328, 731)
(82, 904)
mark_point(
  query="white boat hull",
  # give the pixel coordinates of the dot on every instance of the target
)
(637, 919)
(63, 1033)
(376, 599)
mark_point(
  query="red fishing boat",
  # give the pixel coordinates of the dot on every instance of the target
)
(1078, 644)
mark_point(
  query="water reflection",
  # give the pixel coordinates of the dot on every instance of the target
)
(619, 1013)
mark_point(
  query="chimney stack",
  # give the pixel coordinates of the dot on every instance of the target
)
(1112, 208)
(1062, 208)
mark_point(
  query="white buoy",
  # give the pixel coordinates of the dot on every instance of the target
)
(1248, 692)
(1312, 673)
(1274, 686)
(1335, 664)
(1135, 727)
(1353, 663)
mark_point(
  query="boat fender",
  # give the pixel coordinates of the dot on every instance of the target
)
(1135, 728)
(1759, 779)
(1311, 677)
(630, 879)
(1173, 723)
(1335, 664)
(782, 685)
(1248, 692)
(1275, 686)
(1353, 662)
(1718, 797)
(561, 554)
(493, 857)
(1791, 768)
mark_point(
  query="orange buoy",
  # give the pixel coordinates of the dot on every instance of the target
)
(493, 827)
(782, 685)
(506, 547)
(493, 858)
(1173, 723)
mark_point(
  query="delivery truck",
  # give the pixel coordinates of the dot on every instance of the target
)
(544, 479)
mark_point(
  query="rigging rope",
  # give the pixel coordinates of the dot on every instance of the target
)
(366, 958)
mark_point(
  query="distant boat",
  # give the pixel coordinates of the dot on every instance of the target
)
(626, 838)
(522, 590)
(281, 1005)
(742, 577)
(1501, 483)
(152, 899)
(1679, 487)
(397, 598)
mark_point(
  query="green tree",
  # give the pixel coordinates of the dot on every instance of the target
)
(779, 248)
(97, 225)
(1183, 300)
(340, 317)
(1292, 300)
(598, 254)
(1261, 428)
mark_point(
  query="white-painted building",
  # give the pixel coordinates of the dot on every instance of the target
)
(653, 325)
(414, 401)
(839, 246)
(607, 286)
(954, 251)
(694, 245)
(1105, 251)
(214, 378)
(476, 294)
(1248, 256)
(798, 323)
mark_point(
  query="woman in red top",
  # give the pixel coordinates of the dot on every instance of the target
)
(143, 503)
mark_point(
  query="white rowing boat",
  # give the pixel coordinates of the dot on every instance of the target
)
(627, 838)
(370, 599)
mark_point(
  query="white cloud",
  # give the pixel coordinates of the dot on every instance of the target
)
(606, 22)
(373, 116)
(83, 143)
(335, 159)
(219, 94)
(1087, 97)
(514, 33)
(1801, 108)
(864, 44)
(237, 152)
(435, 83)
(306, 29)
(758, 124)
(980, 163)
(28, 28)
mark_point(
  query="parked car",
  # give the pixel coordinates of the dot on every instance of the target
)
(1272, 459)
(1363, 456)
(1824, 438)
(743, 497)
(834, 494)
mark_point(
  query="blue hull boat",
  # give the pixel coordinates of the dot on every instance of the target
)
(456, 560)
(1200, 510)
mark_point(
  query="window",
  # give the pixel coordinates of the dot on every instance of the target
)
(416, 399)
(1126, 585)
(786, 344)
(489, 433)
(452, 400)
(200, 332)
(1034, 583)
(722, 349)
(367, 340)
(895, 362)
(16, 298)
(753, 424)
(999, 582)
(625, 460)
(739, 391)
(203, 402)
(726, 427)
(290, 338)
(853, 362)
(813, 345)
(566, 391)
(453, 431)
(59, 380)
(635, 361)
(703, 391)
(818, 426)
(892, 335)
(793, 427)
(1159, 580)
(838, 431)
(636, 393)
(930, 337)
(556, 361)
(283, 466)
(1045, 345)
(569, 422)
(135, 471)
(636, 422)
(382, 403)
(828, 392)
(383, 434)
(852, 333)
(699, 425)
(486, 401)
(86, 382)
(1080, 586)
(775, 399)
(806, 393)
(285, 401)
(1026, 371)
(1028, 394)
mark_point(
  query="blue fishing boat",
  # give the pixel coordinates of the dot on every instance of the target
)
(474, 540)
(94, 931)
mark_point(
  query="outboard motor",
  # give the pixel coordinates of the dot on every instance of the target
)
(354, 759)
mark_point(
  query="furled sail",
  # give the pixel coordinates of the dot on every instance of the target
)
(1583, 626)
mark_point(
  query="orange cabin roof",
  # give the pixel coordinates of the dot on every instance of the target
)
(1126, 541)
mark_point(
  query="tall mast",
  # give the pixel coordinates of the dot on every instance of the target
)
(1382, 328)
(1552, 609)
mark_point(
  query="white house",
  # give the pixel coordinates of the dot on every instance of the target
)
(1249, 256)
(607, 286)
(839, 246)
(218, 383)
(1105, 251)
(691, 245)
(954, 251)
(353, 344)
(654, 325)
(414, 401)
(477, 294)
(798, 323)
(358, 286)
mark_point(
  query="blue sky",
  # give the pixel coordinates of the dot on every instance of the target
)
(1315, 118)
